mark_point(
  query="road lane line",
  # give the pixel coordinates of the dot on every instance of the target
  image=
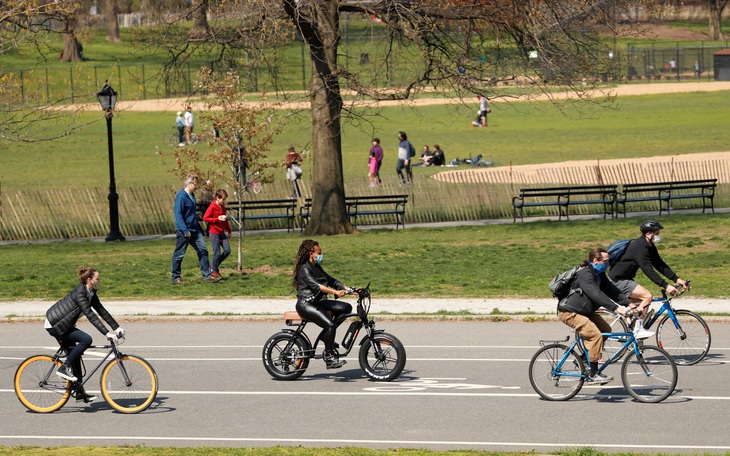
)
(408, 443)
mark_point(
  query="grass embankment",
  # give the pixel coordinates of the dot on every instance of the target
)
(513, 260)
(519, 133)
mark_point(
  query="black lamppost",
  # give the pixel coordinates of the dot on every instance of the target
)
(108, 99)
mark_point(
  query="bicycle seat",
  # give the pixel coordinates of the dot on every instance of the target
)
(291, 316)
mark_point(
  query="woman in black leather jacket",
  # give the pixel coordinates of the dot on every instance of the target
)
(313, 285)
(61, 321)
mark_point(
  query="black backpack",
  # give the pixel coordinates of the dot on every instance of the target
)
(617, 250)
(562, 283)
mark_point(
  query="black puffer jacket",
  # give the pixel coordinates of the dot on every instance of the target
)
(592, 295)
(64, 314)
(309, 278)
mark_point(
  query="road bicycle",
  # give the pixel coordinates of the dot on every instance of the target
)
(382, 356)
(128, 383)
(558, 371)
(682, 333)
(173, 138)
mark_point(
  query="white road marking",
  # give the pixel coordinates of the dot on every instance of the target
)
(408, 443)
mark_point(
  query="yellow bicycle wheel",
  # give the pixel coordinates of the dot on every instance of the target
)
(129, 384)
(38, 387)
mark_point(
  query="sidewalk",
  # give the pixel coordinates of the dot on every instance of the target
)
(275, 306)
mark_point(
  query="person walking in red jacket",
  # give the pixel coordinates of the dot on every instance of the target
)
(218, 226)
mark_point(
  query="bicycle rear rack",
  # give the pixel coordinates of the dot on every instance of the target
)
(547, 342)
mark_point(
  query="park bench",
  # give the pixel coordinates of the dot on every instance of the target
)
(563, 197)
(364, 206)
(665, 192)
(259, 210)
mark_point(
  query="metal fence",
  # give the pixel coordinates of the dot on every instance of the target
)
(671, 62)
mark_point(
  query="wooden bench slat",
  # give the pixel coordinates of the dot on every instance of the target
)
(665, 192)
(562, 197)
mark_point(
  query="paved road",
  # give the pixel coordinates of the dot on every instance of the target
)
(465, 387)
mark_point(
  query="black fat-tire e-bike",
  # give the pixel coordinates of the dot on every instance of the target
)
(382, 356)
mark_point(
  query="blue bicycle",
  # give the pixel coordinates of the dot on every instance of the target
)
(558, 371)
(687, 339)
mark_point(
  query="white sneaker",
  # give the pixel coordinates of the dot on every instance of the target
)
(642, 333)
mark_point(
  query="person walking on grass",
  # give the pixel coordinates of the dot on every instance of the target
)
(188, 232)
(218, 226)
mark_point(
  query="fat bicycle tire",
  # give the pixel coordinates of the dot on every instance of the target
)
(131, 396)
(383, 357)
(614, 344)
(283, 364)
(651, 376)
(693, 347)
(38, 387)
(552, 384)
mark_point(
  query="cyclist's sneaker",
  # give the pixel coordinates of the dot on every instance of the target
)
(66, 372)
(641, 333)
(333, 361)
(598, 379)
(83, 396)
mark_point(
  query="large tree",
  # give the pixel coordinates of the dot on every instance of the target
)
(716, 8)
(463, 46)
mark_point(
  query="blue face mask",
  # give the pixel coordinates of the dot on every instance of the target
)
(600, 267)
(318, 259)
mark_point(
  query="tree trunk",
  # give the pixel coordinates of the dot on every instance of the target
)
(111, 9)
(716, 7)
(71, 47)
(200, 30)
(329, 215)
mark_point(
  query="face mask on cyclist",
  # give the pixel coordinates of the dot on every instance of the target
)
(318, 258)
(656, 239)
(600, 267)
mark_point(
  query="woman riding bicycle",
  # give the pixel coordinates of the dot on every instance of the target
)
(61, 321)
(313, 285)
(591, 290)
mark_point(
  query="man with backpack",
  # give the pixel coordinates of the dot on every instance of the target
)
(590, 289)
(642, 254)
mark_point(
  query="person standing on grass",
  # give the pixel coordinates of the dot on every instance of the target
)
(188, 232)
(189, 124)
(293, 162)
(180, 125)
(218, 226)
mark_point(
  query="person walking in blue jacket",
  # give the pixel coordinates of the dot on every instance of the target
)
(188, 232)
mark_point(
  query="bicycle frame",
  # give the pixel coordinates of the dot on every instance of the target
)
(362, 321)
(113, 350)
(580, 344)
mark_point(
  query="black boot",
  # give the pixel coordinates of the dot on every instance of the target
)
(332, 360)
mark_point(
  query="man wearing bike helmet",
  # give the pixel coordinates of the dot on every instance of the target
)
(643, 254)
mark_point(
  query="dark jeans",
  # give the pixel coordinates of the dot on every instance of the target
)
(400, 166)
(197, 240)
(219, 242)
(318, 313)
(180, 134)
(77, 342)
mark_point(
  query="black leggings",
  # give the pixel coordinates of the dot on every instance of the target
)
(318, 313)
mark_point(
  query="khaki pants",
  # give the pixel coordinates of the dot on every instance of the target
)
(590, 328)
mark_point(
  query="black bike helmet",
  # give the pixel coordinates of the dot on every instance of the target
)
(651, 226)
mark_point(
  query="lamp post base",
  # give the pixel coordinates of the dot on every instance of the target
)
(114, 236)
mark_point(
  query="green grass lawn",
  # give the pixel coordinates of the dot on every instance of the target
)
(513, 260)
(519, 133)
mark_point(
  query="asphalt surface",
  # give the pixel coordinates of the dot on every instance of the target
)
(465, 386)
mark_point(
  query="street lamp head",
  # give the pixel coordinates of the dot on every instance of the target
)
(107, 97)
